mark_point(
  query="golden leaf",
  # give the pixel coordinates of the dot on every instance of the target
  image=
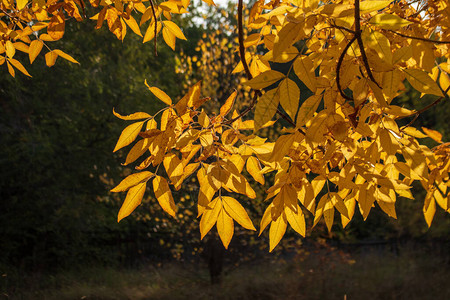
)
(161, 95)
(225, 228)
(289, 96)
(132, 200)
(237, 212)
(135, 116)
(225, 109)
(132, 180)
(34, 49)
(437, 136)
(277, 230)
(174, 29)
(296, 219)
(131, 22)
(421, 81)
(266, 107)
(304, 69)
(388, 21)
(209, 217)
(128, 135)
(265, 79)
(164, 195)
(254, 169)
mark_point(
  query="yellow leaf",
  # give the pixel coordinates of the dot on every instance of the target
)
(10, 50)
(128, 135)
(132, 180)
(50, 58)
(225, 228)
(289, 96)
(296, 219)
(287, 36)
(164, 195)
(414, 132)
(150, 33)
(429, 208)
(138, 149)
(379, 42)
(209, 217)
(421, 81)
(266, 107)
(135, 116)
(304, 69)
(10, 69)
(131, 22)
(237, 212)
(19, 66)
(174, 167)
(169, 38)
(265, 79)
(160, 94)
(56, 26)
(21, 46)
(225, 109)
(307, 109)
(203, 119)
(282, 146)
(328, 215)
(371, 6)
(388, 21)
(21, 4)
(407, 171)
(176, 31)
(277, 230)
(254, 169)
(133, 200)
(65, 56)
(34, 49)
(437, 136)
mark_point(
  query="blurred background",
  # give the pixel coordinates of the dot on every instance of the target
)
(59, 238)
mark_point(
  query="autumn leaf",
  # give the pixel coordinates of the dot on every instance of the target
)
(133, 200)
(128, 135)
(159, 94)
(164, 195)
(132, 180)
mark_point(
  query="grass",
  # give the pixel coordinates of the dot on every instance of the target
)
(319, 274)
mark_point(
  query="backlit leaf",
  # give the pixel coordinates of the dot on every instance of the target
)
(164, 195)
(277, 230)
(265, 79)
(133, 200)
(132, 180)
(128, 135)
(135, 116)
(237, 212)
(225, 227)
(161, 95)
(421, 81)
(266, 107)
(289, 96)
(34, 49)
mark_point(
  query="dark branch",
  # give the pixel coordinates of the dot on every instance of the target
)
(360, 42)
(338, 69)
(419, 38)
(241, 41)
(156, 25)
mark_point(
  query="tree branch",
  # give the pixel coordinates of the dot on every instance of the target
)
(360, 42)
(338, 69)
(418, 38)
(241, 41)
(156, 25)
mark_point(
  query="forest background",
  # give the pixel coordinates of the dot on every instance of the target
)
(58, 229)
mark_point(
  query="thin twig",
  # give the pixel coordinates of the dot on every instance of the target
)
(338, 69)
(419, 38)
(360, 42)
(156, 25)
(420, 111)
(241, 41)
